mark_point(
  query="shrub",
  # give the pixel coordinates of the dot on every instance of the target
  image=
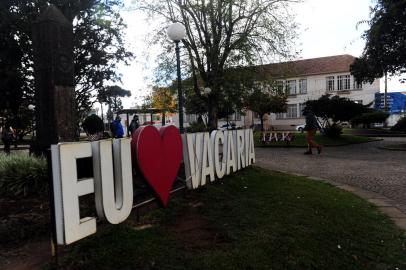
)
(369, 118)
(334, 131)
(196, 127)
(22, 175)
(93, 124)
(400, 125)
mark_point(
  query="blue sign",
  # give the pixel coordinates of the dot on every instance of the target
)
(396, 102)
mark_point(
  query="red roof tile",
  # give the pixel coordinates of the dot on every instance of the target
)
(314, 66)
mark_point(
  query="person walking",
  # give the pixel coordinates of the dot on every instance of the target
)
(134, 124)
(7, 138)
(117, 128)
(311, 128)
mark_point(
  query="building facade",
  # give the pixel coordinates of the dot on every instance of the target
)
(309, 79)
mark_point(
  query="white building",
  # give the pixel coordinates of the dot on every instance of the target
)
(309, 79)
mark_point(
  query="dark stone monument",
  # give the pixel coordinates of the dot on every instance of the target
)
(54, 79)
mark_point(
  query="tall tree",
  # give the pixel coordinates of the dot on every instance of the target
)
(266, 97)
(385, 49)
(163, 99)
(222, 34)
(112, 96)
(99, 47)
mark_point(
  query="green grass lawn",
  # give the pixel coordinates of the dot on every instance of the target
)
(300, 140)
(255, 219)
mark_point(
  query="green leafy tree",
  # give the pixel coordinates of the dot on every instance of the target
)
(366, 119)
(112, 96)
(336, 108)
(98, 48)
(264, 98)
(385, 49)
(222, 34)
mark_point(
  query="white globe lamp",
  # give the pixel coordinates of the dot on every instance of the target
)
(176, 31)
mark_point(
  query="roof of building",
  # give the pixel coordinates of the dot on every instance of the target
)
(313, 66)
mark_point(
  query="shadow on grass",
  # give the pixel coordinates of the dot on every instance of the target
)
(255, 219)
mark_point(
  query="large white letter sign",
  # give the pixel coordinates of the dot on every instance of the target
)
(217, 154)
(67, 190)
(231, 158)
(207, 160)
(114, 191)
(217, 139)
(251, 154)
(240, 145)
(192, 156)
(247, 133)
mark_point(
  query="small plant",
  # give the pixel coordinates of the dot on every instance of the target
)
(400, 125)
(22, 176)
(196, 127)
(333, 131)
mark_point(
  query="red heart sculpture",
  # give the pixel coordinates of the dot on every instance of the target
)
(159, 154)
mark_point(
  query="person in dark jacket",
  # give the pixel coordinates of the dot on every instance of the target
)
(134, 124)
(117, 128)
(6, 137)
(311, 128)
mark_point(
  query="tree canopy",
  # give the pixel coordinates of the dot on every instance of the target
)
(385, 49)
(264, 98)
(112, 95)
(336, 108)
(163, 99)
(223, 34)
(98, 49)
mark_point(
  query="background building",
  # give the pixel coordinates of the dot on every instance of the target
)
(309, 79)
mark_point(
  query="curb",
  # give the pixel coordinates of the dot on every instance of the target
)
(384, 204)
(388, 148)
(336, 145)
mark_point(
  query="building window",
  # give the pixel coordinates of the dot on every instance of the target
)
(303, 86)
(357, 85)
(280, 115)
(190, 118)
(343, 82)
(302, 106)
(330, 83)
(292, 111)
(237, 116)
(291, 87)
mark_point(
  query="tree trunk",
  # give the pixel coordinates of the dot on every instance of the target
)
(262, 122)
(163, 119)
(212, 117)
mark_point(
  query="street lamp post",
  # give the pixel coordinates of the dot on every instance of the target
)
(176, 32)
(32, 108)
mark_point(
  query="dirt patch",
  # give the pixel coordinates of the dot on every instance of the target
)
(30, 256)
(194, 231)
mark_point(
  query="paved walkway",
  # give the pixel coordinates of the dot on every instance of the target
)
(363, 165)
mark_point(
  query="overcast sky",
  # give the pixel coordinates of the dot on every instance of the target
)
(327, 27)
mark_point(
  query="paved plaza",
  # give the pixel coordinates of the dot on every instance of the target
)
(361, 165)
